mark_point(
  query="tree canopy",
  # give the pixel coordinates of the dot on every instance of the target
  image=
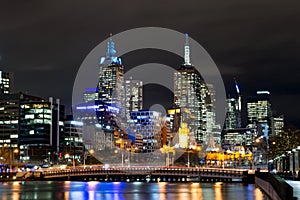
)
(287, 140)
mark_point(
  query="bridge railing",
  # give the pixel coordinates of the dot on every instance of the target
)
(136, 170)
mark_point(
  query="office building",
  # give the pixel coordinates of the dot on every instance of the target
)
(73, 139)
(101, 123)
(232, 120)
(30, 124)
(277, 125)
(146, 125)
(90, 94)
(111, 78)
(259, 108)
(6, 82)
(191, 95)
(133, 96)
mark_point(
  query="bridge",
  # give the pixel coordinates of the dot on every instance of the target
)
(147, 174)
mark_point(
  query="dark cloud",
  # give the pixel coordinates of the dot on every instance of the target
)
(44, 42)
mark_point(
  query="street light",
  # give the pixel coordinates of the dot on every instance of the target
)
(67, 155)
(188, 151)
(49, 153)
(166, 149)
(91, 152)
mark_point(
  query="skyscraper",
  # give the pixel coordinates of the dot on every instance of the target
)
(260, 114)
(73, 138)
(103, 110)
(259, 108)
(133, 96)
(6, 82)
(190, 93)
(90, 94)
(111, 77)
(147, 125)
(232, 114)
(30, 124)
(277, 124)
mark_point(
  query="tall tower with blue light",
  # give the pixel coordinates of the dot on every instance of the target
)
(111, 77)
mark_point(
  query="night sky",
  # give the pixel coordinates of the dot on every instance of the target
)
(44, 42)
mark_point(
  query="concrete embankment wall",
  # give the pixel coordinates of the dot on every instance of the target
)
(267, 188)
(275, 187)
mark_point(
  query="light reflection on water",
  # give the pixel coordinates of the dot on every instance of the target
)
(135, 191)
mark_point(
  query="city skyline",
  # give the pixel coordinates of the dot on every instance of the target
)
(260, 50)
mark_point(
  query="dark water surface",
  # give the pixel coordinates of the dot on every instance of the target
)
(136, 191)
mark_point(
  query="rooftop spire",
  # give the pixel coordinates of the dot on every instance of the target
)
(110, 47)
(110, 57)
(187, 51)
(239, 106)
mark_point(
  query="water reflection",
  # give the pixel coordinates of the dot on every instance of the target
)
(135, 191)
(218, 190)
(15, 190)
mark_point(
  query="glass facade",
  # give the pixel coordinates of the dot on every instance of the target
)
(35, 123)
(5, 82)
(259, 108)
(191, 94)
(134, 96)
(233, 116)
(146, 127)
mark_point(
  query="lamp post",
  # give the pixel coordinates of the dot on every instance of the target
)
(294, 151)
(188, 151)
(297, 159)
(166, 149)
(188, 159)
(91, 152)
(73, 160)
(49, 153)
(122, 155)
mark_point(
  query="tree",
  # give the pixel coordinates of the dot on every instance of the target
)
(287, 140)
(4, 155)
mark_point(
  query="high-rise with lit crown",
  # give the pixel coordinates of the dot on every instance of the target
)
(111, 77)
(190, 94)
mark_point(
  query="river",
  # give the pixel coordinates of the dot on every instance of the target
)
(134, 191)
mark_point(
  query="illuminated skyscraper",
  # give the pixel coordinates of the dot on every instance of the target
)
(213, 130)
(30, 124)
(90, 94)
(146, 125)
(133, 96)
(190, 94)
(111, 77)
(73, 138)
(6, 80)
(259, 108)
(232, 114)
(259, 113)
(277, 124)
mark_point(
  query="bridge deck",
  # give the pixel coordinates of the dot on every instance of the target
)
(163, 172)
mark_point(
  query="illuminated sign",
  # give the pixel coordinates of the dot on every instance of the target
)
(263, 92)
(77, 123)
(113, 109)
(99, 108)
